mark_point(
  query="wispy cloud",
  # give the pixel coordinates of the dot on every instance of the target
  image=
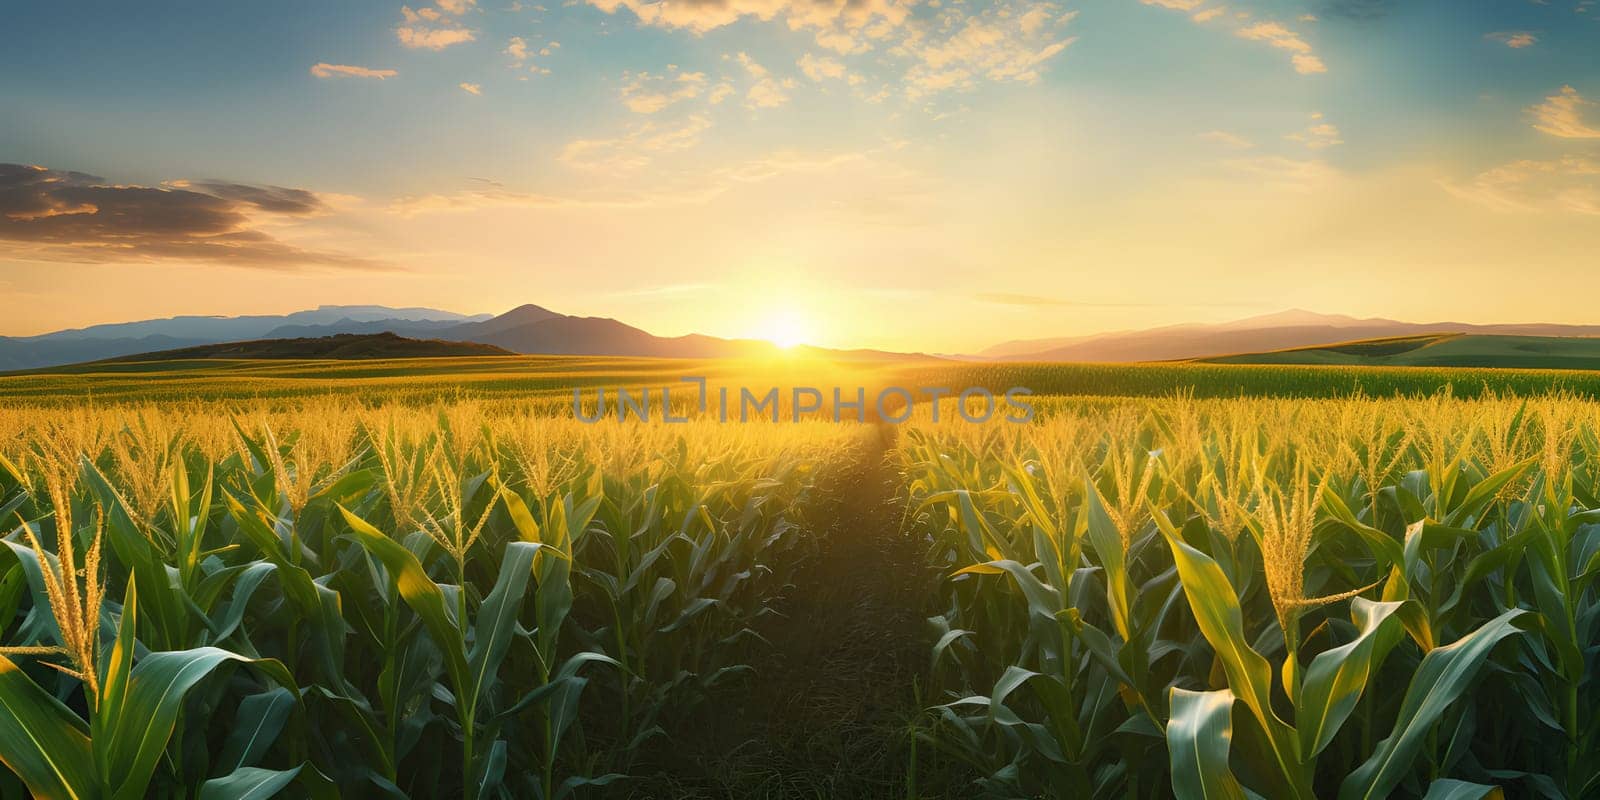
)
(471, 88)
(1229, 140)
(1570, 184)
(647, 93)
(1276, 34)
(1562, 114)
(707, 187)
(1301, 54)
(1318, 135)
(636, 148)
(1282, 172)
(955, 48)
(844, 27)
(1513, 39)
(823, 68)
(326, 70)
(1045, 301)
(765, 90)
(1009, 42)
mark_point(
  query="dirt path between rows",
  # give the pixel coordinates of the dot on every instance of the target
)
(826, 713)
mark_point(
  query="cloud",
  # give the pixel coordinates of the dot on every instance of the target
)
(521, 53)
(1570, 184)
(1302, 57)
(1023, 300)
(1513, 39)
(838, 25)
(1288, 173)
(706, 187)
(1226, 139)
(273, 199)
(61, 215)
(1307, 64)
(326, 70)
(952, 47)
(1317, 135)
(1561, 114)
(1043, 301)
(646, 93)
(430, 29)
(765, 91)
(471, 88)
(820, 68)
(1281, 37)
(1006, 42)
(517, 48)
(636, 148)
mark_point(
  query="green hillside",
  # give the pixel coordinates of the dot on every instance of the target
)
(1445, 350)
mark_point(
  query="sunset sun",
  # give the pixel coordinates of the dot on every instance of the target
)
(786, 328)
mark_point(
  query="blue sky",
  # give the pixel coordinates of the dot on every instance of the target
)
(1029, 168)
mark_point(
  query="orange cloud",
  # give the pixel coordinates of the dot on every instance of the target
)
(1561, 114)
(326, 70)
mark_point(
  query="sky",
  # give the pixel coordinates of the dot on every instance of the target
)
(924, 175)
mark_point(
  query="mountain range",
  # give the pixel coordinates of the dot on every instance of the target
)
(532, 329)
(527, 329)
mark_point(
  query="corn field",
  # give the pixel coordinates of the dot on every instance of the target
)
(1352, 598)
(1267, 598)
(329, 600)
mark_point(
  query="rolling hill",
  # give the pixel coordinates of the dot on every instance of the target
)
(1272, 332)
(339, 346)
(1440, 350)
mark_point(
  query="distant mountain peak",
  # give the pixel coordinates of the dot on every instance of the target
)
(529, 308)
(1298, 316)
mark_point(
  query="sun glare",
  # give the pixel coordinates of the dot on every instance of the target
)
(785, 329)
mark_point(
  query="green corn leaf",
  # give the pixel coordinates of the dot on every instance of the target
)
(1444, 674)
(1216, 610)
(1107, 544)
(1336, 678)
(248, 783)
(157, 687)
(497, 617)
(1199, 733)
(115, 676)
(1460, 790)
(256, 726)
(42, 741)
(418, 590)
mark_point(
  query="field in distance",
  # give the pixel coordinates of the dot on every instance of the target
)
(553, 378)
(1440, 350)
